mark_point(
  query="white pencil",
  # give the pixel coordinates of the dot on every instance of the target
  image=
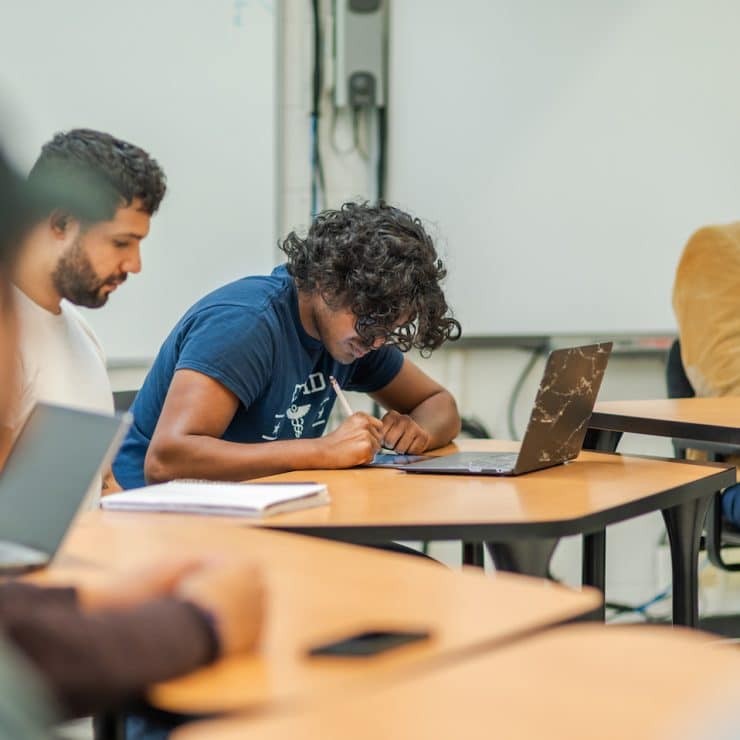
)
(343, 402)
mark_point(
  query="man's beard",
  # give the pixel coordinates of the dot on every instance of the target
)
(75, 279)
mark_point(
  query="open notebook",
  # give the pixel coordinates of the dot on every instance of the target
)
(220, 499)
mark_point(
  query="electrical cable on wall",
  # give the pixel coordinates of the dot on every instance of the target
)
(318, 184)
(357, 138)
(382, 154)
(511, 408)
(360, 65)
(355, 146)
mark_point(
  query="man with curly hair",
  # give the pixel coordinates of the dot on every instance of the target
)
(241, 389)
(101, 193)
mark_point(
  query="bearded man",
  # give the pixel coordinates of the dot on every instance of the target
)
(78, 251)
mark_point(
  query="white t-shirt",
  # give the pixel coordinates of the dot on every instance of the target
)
(60, 361)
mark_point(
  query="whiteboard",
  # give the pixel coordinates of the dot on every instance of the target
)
(191, 82)
(564, 152)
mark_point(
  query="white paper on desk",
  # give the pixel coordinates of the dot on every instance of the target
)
(222, 499)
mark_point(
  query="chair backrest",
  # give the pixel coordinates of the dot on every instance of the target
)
(122, 400)
(678, 385)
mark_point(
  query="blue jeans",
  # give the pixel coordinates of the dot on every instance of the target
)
(731, 504)
(147, 728)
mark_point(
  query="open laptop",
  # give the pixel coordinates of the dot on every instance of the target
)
(52, 465)
(557, 425)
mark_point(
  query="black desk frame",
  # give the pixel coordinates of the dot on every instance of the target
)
(685, 521)
(527, 547)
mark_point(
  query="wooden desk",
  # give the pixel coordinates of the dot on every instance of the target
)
(577, 683)
(696, 422)
(320, 591)
(699, 419)
(522, 518)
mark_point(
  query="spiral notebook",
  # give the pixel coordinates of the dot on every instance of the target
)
(219, 499)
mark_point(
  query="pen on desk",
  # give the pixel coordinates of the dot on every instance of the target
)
(343, 402)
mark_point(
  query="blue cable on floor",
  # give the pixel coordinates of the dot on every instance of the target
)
(642, 608)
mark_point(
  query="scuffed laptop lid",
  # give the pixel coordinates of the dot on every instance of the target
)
(563, 406)
(52, 465)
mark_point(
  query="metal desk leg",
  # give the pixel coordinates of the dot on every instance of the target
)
(602, 440)
(684, 524)
(593, 562)
(593, 567)
(472, 554)
(529, 557)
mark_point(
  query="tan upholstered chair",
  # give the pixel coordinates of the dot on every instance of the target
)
(706, 301)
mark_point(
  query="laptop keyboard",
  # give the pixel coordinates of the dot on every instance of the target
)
(493, 460)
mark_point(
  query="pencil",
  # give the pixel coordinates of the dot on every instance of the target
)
(343, 402)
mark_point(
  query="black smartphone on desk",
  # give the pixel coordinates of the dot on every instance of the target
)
(372, 642)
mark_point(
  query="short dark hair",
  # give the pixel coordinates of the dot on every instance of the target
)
(110, 172)
(380, 263)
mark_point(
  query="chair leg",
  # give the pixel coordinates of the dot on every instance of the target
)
(593, 568)
(472, 554)
(529, 557)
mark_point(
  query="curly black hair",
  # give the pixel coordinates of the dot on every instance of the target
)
(91, 174)
(380, 263)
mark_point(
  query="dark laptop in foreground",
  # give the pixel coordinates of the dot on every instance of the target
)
(557, 425)
(48, 472)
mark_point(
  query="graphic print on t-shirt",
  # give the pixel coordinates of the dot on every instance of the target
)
(300, 407)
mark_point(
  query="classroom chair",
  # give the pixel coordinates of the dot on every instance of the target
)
(718, 532)
(122, 400)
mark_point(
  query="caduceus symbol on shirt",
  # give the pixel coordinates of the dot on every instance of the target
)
(295, 414)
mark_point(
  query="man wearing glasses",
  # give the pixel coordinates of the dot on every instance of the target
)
(241, 389)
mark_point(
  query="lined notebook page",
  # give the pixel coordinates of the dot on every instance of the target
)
(223, 499)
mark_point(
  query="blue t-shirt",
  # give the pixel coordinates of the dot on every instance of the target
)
(248, 336)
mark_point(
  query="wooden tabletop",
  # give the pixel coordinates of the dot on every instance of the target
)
(319, 591)
(586, 495)
(577, 683)
(703, 419)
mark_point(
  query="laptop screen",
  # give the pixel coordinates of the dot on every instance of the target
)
(53, 463)
(565, 399)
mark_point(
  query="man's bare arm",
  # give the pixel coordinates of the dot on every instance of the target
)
(187, 440)
(6, 444)
(421, 414)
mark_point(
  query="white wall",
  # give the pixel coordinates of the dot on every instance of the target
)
(193, 83)
(565, 151)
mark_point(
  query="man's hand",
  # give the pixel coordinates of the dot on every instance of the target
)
(135, 586)
(402, 434)
(110, 484)
(354, 442)
(234, 594)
